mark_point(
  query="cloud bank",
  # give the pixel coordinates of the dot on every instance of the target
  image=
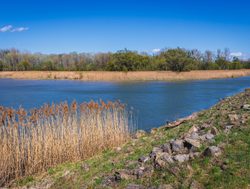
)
(10, 28)
(156, 50)
(6, 28)
(236, 54)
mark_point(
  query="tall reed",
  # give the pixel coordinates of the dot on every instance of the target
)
(34, 141)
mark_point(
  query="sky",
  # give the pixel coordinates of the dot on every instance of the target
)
(53, 26)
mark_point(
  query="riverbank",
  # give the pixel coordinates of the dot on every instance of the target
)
(209, 149)
(126, 76)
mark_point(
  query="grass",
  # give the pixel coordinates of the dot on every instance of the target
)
(111, 160)
(35, 141)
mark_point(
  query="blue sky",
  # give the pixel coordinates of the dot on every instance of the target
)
(99, 26)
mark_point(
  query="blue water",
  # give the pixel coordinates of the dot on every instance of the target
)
(154, 102)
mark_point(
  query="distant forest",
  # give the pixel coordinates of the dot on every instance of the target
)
(177, 59)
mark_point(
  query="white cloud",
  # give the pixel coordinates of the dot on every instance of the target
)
(6, 28)
(19, 29)
(10, 28)
(236, 54)
(156, 50)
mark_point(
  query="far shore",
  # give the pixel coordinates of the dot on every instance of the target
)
(125, 76)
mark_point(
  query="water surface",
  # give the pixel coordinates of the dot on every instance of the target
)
(154, 102)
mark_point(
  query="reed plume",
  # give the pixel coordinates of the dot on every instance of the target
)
(31, 142)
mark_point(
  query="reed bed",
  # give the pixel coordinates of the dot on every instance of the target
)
(31, 142)
(126, 76)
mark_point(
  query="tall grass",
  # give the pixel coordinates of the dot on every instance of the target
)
(34, 141)
(126, 76)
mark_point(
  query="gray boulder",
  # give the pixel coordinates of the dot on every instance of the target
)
(193, 142)
(166, 148)
(209, 136)
(163, 159)
(177, 145)
(154, 152)
(213, 151)
(181, 158)
(246, 107)
(144, 159)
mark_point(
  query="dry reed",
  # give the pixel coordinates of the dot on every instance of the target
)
(126, 76)
(34, 141)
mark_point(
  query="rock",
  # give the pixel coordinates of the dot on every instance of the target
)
(195, 185)
(175, 123)
(228, 128)
(209, 136)
(109, 181)
(234, 118)
(85, 167)
(193, 142)
(194, 136)
(163, 159)
(166, 148)
(177, 145)
(123, 174)
(117, 176)
(214, 131)
(181, 158)
(153, 130)
(139, 172)
(212, 151)
(166, 186)
(182, 120)
(194, 155)
(143, 172)
(246, 107)
(143, 159)
(135, 186)
(154, 152)
(140, 133)
(205, 125)
(193, 129)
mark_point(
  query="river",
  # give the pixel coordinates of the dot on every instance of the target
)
(154, 103)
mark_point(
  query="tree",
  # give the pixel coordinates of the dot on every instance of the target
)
(48, 66)
(126, 60)
(24, 66)
(1, 65)
(207, 60)
(236, 64)
(177, 60)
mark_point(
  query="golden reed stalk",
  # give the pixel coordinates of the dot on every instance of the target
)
(34, 141)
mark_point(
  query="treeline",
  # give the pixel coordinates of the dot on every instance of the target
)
(177, 59)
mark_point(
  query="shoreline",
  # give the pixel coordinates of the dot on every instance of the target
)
(215, 136)
(125, 76)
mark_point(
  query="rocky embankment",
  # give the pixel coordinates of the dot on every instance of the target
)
(197, 142)
(209, 149)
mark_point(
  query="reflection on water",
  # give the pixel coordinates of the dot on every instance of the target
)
(154, 102)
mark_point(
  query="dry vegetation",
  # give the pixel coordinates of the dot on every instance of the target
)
(42, 138)
(126, 76)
